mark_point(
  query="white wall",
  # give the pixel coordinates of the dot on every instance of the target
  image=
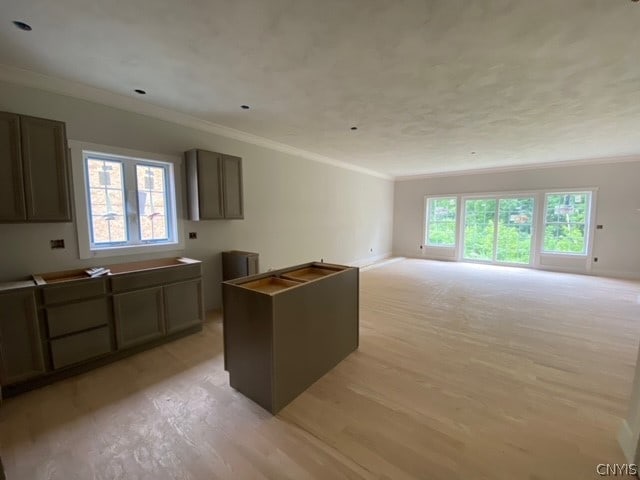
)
(296, 210)
(617, 245)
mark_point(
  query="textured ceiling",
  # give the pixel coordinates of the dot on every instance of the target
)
(427, 81)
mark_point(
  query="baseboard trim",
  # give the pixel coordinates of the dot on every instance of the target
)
(624, 275)
(369, 261)
(626, 442)
(383, 263)
(616, 274)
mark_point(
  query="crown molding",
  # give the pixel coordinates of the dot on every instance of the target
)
(81, 91)
(516, 168)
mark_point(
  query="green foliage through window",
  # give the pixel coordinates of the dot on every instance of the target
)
(514, 217)
(566, 222)
(441, 222)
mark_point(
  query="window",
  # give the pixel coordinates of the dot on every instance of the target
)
(130, 201)
(566, 222)
(441, 222)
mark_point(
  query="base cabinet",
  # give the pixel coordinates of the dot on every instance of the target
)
(21, 355)
(139, 316)
(285, 329)
(63, 323)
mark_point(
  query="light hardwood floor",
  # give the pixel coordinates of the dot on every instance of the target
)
(463, 372)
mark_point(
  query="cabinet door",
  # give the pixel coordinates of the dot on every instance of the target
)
(209, 185)
(183, 305)
(44, 157)
(232, 186)
(138, 316)
(20, 342)
(12, 207)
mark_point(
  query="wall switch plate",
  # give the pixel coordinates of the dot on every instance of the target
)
(193, 235)
(59, 243)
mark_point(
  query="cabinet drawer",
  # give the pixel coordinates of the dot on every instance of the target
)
(74, 291)
(82, 346)
(133, 281)
(79, 316)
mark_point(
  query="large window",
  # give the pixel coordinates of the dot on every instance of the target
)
(441, 222)
(566, 222)
(130, 201)
(499, 229)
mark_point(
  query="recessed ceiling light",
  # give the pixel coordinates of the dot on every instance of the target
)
(22, 26)
(139, 91)
(354, 128)
(245, 107)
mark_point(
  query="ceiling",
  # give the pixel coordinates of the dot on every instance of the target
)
(427, 82)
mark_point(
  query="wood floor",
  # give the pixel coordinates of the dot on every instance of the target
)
(463, 372)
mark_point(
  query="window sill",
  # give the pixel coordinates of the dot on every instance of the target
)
(560, 254)
(134, 250)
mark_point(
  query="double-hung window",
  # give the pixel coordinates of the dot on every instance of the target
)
(566, 222)
(130, 201)
(441, 221)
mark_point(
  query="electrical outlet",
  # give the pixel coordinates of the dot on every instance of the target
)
(193, 235)
(595, 259)
(420, 247)
(322, 260)
(599, 227)
(59, 243)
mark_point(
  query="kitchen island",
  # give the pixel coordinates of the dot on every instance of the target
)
(285, 329)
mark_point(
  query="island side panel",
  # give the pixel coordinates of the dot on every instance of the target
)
(315, 327)
(247, 324)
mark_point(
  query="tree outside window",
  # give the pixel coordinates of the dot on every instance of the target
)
(566, 225)
(441, 222)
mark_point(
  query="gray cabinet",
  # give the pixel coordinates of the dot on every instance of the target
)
(12, 204)
(44, 156)
(33, 153)
(139, 316)
(77, 316)
(284, 329)
(236, 264)
(183, 305)
(20, 341)
(232, 187)
(62, 323)
(214, 184)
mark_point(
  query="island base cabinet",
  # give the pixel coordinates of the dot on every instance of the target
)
(21, 355)
(139, 316)
(183, 306)
(281, 335)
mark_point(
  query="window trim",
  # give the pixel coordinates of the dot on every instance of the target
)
(425, 230)
(85, 247)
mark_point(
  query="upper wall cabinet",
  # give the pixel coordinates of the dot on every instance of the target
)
(33, 154)
(214, 184)
(12, 206)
